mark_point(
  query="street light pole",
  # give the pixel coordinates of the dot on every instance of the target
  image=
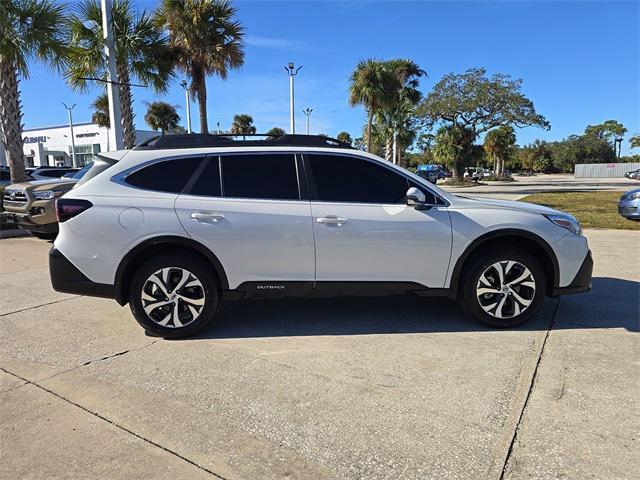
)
(186, 99)
(292, 72)
(307, 111)
(113, 92)
(73, 141)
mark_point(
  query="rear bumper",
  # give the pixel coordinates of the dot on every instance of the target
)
(65, 277)
(582, 281)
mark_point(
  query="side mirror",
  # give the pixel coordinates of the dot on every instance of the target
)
(415, 197)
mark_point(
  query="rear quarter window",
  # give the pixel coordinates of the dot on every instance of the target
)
(169, 176)
(99, 165)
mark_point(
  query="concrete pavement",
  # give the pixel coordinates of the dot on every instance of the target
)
(326, 388)
(524, 186)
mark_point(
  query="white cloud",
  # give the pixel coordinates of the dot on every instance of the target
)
(274, 42)
(268, 42)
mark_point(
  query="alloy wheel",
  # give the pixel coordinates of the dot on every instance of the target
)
(173, 297)
(506, 289)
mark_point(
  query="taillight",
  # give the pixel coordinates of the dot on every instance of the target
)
(67, 208)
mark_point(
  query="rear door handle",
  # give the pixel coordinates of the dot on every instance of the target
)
(332, 220)
(207, 217)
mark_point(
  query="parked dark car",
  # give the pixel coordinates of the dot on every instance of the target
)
(431, 172)
(47, 173)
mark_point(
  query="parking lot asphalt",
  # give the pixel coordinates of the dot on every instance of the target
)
(375, 388)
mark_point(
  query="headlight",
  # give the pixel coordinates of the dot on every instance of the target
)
(47, 194)
(566, 221)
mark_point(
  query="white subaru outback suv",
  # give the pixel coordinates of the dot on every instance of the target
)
(182, 222)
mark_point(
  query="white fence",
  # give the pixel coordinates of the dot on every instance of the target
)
(604, 170)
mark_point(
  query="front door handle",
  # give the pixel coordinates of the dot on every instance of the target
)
(207, 217)
(332, 220)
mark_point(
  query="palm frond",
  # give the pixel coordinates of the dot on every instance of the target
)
(33, 30)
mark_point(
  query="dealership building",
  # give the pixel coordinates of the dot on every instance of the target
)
(51, 146)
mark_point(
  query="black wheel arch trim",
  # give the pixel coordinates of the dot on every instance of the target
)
(185, 242)
(496, 235)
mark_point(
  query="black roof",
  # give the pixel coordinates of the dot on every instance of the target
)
(197, 140)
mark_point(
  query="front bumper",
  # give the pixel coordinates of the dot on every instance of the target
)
(582, 281)
(629, 209)
(25, 220)
(65, 277)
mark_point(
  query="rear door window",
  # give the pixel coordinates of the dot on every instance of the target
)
(266, 176)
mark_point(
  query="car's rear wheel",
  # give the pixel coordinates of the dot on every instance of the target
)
(503, 288)
(174, 295)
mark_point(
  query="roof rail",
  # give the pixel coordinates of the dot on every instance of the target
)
(198, 140)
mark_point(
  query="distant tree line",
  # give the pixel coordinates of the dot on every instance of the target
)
(598, 144)
(469, 119)
(499, 151)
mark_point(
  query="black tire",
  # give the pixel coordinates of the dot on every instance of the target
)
(142, 285)
(483, 263)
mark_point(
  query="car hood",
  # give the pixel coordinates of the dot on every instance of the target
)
(628, 193)
(507, 204)
(33, 185)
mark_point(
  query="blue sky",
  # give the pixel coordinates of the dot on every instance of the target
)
(579, 61)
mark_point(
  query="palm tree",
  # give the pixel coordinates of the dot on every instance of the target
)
(397, 124)
(101, 111)
(368, 88)
(276, 132)
(454, 148)
(161, 116)
(141, 51)
(385, 88)
(345, 138)
(243, 125)
(29, 30)
(395, 112)
(206, 40)
(498, 143)
(407, 74)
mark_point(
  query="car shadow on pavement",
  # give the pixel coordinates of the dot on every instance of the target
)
(612, 303)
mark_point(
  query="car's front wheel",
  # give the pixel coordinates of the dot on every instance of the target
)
(503, 287)
(174, 295)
